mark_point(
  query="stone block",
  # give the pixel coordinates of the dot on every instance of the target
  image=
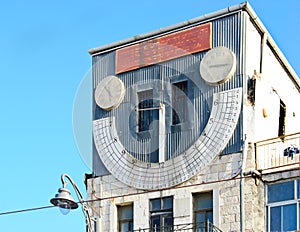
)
(181, 207)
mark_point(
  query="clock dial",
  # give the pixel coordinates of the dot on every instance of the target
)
(218, 65)
(144, 175)
(109, 93)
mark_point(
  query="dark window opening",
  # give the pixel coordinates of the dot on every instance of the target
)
(179, 102)
(125, 218)
(161, 214)
(251, 90)
(203, 210)
(282, 116)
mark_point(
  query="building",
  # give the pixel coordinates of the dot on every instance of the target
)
(195, 129)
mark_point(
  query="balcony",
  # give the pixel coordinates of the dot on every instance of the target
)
(190, 227)
(278, 154)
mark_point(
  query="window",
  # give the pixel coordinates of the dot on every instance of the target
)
(161, 214)
(179, 102)
(282, 115)
(146, 110)
(203, 210)
(283, 206)
(125, 218)
(251, 89)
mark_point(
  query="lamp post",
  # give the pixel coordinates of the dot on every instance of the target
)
(64, 200)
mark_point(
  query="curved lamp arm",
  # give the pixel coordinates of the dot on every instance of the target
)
(64, 199)
(77, 191)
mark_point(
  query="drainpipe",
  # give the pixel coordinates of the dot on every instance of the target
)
(245, 145)
(244, 160)
(263, 44)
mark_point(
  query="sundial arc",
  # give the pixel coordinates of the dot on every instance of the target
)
(143, 175)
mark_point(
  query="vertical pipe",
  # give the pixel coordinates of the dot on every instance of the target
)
(162, 133)
(97, 225)
(243, 38)
(244, 160)
(263, 44)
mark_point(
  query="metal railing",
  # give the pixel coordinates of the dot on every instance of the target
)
(189, 227)
(278, 154)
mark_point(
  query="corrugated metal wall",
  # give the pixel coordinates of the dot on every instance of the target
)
(227, 31)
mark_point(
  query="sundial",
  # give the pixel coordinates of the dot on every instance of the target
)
(127, 107)
(213, 139)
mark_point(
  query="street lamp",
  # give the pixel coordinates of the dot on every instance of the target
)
(65, 201)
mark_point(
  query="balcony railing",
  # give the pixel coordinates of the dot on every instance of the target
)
(278, 154)
(190, 227)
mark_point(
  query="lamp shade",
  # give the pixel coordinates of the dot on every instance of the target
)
(63, 199)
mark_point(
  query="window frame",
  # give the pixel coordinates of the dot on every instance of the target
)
(149, 134)
(282, 119)
(190, 95)
(162, 213)
(210, 210)
(283, 203)
(179, 95)
(128, 221)
(145, 109)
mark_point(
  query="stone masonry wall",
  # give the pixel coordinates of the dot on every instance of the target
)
(221, 177)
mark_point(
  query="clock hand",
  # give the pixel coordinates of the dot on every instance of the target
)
(108, 91)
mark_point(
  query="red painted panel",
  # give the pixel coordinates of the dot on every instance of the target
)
(164, 48)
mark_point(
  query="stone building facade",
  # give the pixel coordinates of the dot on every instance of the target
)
(225, 158)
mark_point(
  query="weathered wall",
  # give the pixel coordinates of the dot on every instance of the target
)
(219, 177)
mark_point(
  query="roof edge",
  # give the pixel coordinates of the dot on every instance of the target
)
(220, 13)
(168, 29)
(273, 44)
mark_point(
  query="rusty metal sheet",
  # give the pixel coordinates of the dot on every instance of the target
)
(164, 48)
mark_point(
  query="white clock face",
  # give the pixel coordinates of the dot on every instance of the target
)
(109, 93)
(218, 65)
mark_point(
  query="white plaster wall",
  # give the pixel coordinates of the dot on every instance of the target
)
(252, 65)
(272, 84)
(267, 105)
(253, 49)
(275, 84)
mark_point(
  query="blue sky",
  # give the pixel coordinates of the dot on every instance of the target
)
(43, 60)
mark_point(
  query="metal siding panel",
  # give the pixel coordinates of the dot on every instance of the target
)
(230, 32)
(227, 31)
(103, 66)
